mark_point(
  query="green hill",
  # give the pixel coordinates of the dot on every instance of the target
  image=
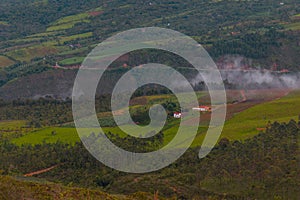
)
(65, 32)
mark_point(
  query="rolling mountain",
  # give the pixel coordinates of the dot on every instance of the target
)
(37, 34)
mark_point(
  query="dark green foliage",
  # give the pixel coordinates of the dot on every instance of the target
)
(252, 45)
(47, 111)
(264, 167)
(249, 28)
(30, 16)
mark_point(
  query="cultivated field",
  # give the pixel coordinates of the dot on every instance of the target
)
(5, 61)
(244, 119)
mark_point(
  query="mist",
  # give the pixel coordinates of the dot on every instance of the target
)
(237, 72)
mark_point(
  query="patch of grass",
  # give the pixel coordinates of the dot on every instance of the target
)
(68, 22)
(293, 26)
(78, 36)
(45, 34)
(49, 135)
(296, 16)
(244, 125)
(125, 6)
(62, 134)
(27, 40)
(4, 23)
(14, 124)
(72, 61)
(5, 61)
(71, 18)
(26, 54)
(13, 129)
(60, 27)
(70, 135)
(65, 26)
(171, 132)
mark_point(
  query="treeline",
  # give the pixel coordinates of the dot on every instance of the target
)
(44, 111)
(21, 69)
(264, 167)
(49, 111)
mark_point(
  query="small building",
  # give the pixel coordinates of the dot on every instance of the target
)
(284, 71)
(177, 115)
(203, 109)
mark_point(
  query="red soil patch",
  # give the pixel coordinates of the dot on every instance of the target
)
(95, 13)
(261, 129)
(40, 171)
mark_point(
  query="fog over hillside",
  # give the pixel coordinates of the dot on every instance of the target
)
(241, 73)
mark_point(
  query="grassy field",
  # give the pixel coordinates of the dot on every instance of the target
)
(65, 26)
(293, 26)
(71, 18)
(16, 124)
(68, 22)
(40, 35)
(5, 61)
(297, 16)
(74, 37)
(27, 40)
(28, 53)
(54, 134)
(13, 129)
(49, 135)
(241, 126)
(4, 23)
(72, 61)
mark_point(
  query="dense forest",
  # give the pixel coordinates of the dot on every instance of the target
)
(264, 167)
(31, 16)
(36, 34)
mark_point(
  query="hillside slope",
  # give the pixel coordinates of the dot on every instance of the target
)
(36, 34)
(15, 189)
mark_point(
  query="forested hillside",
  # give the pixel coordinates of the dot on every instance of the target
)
(255, 45)
(264, 167)
(19, 188)
(36, 34)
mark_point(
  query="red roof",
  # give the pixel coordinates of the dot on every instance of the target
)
(206, 107)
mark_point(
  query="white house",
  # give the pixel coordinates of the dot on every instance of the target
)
(177, 115)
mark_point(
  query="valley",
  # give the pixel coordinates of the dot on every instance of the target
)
(255, 46)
